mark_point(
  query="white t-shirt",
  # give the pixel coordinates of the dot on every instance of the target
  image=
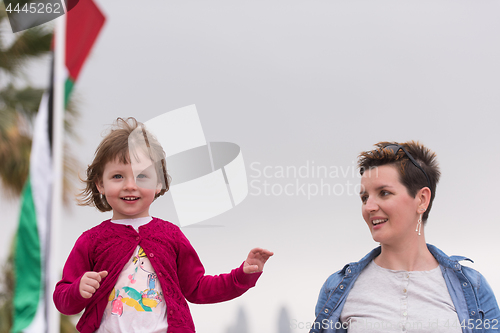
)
(384, 300)
(136, 303)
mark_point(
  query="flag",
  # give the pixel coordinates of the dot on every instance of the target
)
(31, 301)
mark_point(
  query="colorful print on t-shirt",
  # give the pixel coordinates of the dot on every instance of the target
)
(137, 299)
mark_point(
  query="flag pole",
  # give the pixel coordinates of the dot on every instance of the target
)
(57, 158)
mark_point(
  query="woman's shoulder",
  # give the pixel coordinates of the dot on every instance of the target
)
(453, 262)
(475, 278)
(333, 280)
(351, 269)
(483, 292)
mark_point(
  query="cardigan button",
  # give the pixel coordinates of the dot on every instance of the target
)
(137, 238)
(151, 255)
(171, 312)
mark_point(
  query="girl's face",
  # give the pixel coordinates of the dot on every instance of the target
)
(387, 208)
(129, 188)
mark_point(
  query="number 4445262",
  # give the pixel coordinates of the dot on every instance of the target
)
(40, 8)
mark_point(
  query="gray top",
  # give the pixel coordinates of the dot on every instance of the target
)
(384, 300)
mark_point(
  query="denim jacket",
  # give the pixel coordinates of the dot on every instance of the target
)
(474, 301)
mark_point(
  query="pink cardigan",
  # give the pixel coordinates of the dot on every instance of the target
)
(109, 246)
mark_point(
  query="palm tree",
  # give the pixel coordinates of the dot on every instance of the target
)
(18, 108)
(18, 105)
(6, 294)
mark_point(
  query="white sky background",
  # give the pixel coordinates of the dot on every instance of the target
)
(297, 83)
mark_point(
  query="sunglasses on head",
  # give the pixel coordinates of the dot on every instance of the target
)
(395, 149)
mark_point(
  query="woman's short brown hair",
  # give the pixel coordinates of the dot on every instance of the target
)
(117, 145)
(409, 175)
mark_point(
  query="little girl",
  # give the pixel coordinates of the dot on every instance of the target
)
(133, 273)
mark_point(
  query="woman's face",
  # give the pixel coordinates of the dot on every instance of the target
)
(388, 210)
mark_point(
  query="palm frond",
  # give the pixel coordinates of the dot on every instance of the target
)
(7, 291)
(30, 44)
(18, 107)
(25, 100)
(15, 148)
(3, 13)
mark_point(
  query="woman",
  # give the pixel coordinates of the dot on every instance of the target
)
(405, 285)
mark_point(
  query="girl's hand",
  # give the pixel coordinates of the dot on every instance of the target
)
(90, 282)
(256, 260)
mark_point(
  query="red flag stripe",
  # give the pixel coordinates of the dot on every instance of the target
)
(84, 22)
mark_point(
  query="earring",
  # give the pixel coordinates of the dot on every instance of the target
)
(419, 224)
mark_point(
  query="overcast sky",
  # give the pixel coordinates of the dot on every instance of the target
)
(305, 85)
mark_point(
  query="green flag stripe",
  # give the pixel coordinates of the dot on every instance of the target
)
(68, 88)
(28, 267)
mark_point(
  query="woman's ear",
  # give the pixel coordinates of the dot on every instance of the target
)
(424, 196)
